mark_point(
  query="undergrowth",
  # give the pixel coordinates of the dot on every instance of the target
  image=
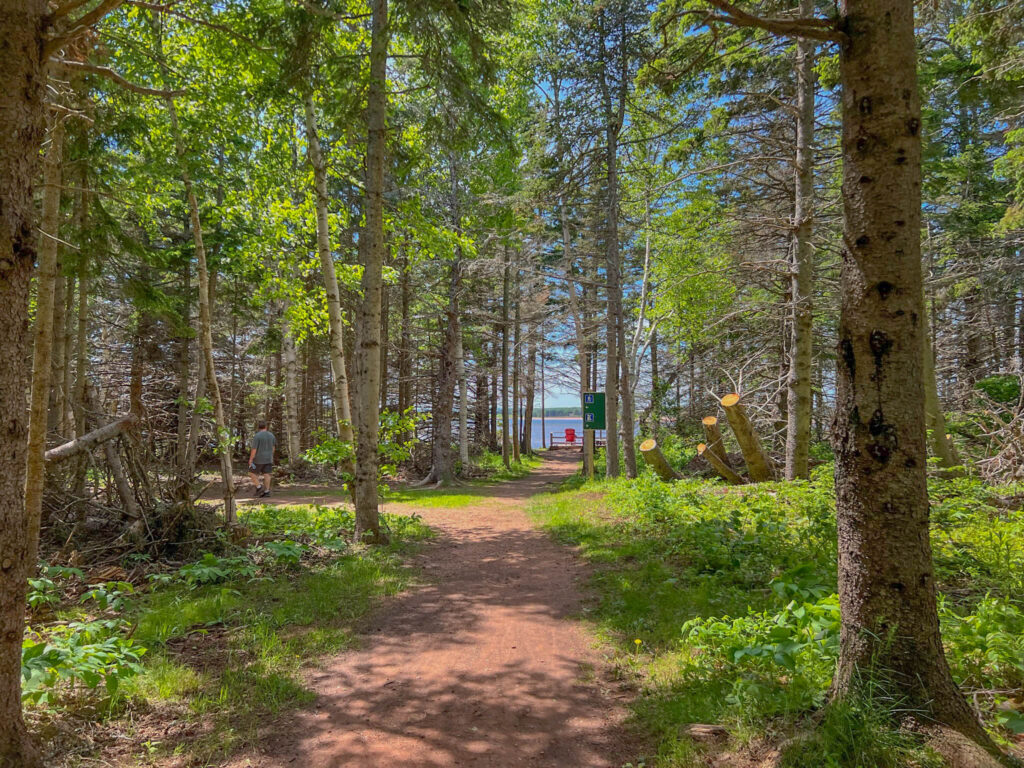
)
(214, 645)
(722, 602)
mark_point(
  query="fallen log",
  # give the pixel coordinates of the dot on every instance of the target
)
(656, 460)
(89, 440)
(713, 438)
(726, 472)
(759, 465)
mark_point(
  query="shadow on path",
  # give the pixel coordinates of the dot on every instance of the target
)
(483, 666)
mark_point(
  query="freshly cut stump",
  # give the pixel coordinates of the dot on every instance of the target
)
(724, 470)
(713, 439)
(656, 460)
(759, 465)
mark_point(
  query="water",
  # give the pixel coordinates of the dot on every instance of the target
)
(556, 425)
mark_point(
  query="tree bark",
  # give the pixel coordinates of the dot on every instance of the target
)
(22, 124)
(656, 460)
(798, 403)
(759, 466)
(206, 324)
(460, 372)
(713, 438)
(42, 363)
(526, 444)
(505, 291)
(726, 472)
(342, 405)
(371, 245)
(90, 440)
(516, 369)
(291, 392)
(890, 627)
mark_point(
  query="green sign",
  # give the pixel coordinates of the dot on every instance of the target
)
(593, 410)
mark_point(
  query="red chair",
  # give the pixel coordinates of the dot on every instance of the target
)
(570, 436)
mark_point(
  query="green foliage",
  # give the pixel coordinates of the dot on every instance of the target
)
(77, 654)
(1003, 388)
(732, 593)
(213, 569)
(285, 551)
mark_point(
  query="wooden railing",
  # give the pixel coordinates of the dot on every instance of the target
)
(574, 440)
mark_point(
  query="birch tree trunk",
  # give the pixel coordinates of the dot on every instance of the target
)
(798, 402)
(342, 406)
(22, 125)
(371, 245)
(42, 364)
(886, 575)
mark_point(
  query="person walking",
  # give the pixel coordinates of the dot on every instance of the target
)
(261, 459)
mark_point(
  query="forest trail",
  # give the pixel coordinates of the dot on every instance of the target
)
(483, 665)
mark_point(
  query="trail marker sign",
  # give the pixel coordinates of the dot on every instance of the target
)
(593, 410)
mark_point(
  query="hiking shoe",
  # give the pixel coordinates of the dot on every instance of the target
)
(264, 494)
(259, 490)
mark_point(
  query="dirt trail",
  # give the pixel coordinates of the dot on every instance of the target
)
(484, 666)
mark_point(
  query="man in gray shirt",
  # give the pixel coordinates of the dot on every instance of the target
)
(261, 459)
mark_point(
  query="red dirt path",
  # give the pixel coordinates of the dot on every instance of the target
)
(484, 666)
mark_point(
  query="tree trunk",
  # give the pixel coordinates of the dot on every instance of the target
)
(342, 406)
(42, 363)
(55, 409)
(371, 246)
(505, 291)
(798, 403)
(656, 460)
(726, 472)
(22, 124)
(526, 445)
(441, 472)
(516, 368)
(460, 372)
(886, 577)
(291, 392)
(713, 438)
(405, 348)
(206, 324)
(759, 466)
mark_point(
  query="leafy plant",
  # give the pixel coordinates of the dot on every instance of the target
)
(211, 569)
(112, 595)
(77, 654)
(285, 551)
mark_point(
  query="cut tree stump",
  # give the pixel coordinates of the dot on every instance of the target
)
(656, 460)
(726, 472)
(759, 465)
(713, 439)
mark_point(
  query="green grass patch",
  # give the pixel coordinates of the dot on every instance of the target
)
(470, 491)
(721, 602)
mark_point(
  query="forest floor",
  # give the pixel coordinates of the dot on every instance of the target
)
(484, 664)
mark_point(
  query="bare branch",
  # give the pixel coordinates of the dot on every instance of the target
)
(118, 78)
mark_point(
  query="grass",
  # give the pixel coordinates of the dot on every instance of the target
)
(227, 644)
(731, 595)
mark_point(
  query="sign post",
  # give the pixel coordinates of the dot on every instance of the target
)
(593, 419)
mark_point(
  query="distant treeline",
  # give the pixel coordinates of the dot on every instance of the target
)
(568, 412)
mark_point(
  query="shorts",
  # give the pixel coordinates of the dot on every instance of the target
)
(264, 469)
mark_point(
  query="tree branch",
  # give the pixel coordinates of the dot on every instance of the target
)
(815, 29)
(318, 11)
(80, 25)
(118, 78)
